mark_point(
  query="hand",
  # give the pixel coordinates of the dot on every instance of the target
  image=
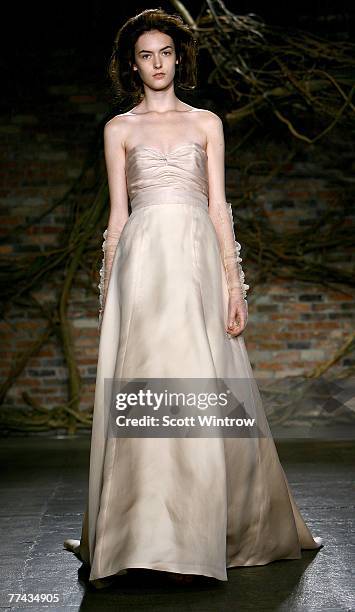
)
(237, 314)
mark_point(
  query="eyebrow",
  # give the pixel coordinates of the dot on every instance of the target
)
(146, 51)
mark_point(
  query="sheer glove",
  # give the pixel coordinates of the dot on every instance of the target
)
(222, 217)
(109, 245)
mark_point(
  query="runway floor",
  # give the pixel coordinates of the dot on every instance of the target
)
(43, 493)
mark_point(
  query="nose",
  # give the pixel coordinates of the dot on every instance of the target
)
(157, 62)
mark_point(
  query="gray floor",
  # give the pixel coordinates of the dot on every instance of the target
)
(43, 490)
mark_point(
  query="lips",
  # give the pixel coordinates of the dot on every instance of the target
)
(159, 74)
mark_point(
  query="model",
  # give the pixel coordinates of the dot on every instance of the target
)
(173, 304)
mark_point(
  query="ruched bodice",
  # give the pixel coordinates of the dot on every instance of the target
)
(154, 177)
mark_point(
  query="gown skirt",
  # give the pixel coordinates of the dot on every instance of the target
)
(187, 505)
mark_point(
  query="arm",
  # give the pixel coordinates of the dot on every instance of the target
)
(221, 214)
(115, 165)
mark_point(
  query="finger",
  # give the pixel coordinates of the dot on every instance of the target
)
(237, 326)
(233, 318)
(234, 334)
(234, 327)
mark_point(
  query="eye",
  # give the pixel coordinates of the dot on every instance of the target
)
(148, 54)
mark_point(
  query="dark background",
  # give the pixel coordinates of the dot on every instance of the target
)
(46, 42)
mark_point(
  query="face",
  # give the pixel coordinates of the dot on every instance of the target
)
(155, 53)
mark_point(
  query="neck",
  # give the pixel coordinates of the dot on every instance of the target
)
(160, 101)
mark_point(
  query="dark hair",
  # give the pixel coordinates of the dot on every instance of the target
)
(127, 82)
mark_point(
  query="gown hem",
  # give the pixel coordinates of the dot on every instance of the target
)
(183, 568)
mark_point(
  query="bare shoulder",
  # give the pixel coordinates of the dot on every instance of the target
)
(211, 120)
(212, 127)
(116, 128)
(210, 123)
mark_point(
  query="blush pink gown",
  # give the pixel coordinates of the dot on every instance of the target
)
(186, 505)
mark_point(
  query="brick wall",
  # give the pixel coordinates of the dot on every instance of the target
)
(293, 326)
(296, 326)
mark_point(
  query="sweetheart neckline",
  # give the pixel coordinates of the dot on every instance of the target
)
(158, 152)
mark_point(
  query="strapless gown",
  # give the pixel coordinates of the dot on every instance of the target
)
(187, 505)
